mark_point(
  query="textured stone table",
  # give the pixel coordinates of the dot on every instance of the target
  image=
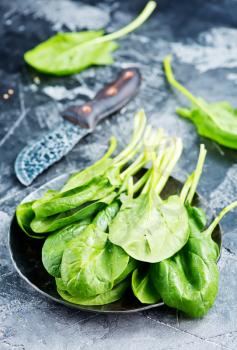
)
(203, 37)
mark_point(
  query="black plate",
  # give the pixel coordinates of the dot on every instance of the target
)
(26, 256)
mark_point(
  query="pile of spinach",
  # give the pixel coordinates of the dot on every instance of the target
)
(69, 53)
(217, 121)
(108, 229)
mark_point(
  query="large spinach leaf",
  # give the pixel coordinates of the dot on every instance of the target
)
(68, 53)
(217, 121)
(188, 281)
(91, 263)
(150, 229)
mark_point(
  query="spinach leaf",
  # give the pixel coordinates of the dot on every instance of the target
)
(217, 121)
(55, 222)
(188, 281)
(24, 216)
(108, 297)
(148, 228)
(55, 244)
(90, 263)
(131, 266)
(95, 190)
(143, 287)
(68, 53)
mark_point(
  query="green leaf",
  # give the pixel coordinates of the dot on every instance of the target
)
(90, 263)
(217, 121)
(188, 281)
(96, 189)
(143, 287)
(24, 216)
(68, 53)
(150, 229)
(108, 297)
(55, 244)
(55, 222)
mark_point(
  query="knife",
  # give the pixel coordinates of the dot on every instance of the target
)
(77, 122)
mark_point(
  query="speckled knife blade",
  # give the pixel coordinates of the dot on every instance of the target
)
(78, 121)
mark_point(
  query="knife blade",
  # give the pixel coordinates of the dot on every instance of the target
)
(77, 122)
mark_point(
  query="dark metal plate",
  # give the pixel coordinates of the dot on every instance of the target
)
(26, 256)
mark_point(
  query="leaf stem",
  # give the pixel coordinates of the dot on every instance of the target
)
(186, 187)
(166, 169)
(139, 127)
(138, 185)
(171, 79)
(224, 211)
(197, 173)
(137, 22)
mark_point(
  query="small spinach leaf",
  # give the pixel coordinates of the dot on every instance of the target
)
(143, 287)
(108, 297)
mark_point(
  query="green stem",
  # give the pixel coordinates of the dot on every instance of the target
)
(166, 170)
(142, 181)
(197, 173)
(171, 79)
(139, 127)
(130, 187)
(186, 188)
(224, 211)
(137, 22)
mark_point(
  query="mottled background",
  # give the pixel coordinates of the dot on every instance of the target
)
(202, 35)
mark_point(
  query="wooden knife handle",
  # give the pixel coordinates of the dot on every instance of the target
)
(107, 101)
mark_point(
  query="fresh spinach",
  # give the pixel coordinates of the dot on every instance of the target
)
(90, 263)
(148, 228)
(188, 281)
(55, 244)
(68, 53)
(217, 121)
(108, 297)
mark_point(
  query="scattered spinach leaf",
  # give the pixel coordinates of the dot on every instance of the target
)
(217, 121)
(68, 53)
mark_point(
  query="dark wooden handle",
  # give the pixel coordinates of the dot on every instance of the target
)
(107, 101)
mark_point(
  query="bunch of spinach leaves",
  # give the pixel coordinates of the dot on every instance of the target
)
(217, 121)
(108, 229)
(69, 53)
